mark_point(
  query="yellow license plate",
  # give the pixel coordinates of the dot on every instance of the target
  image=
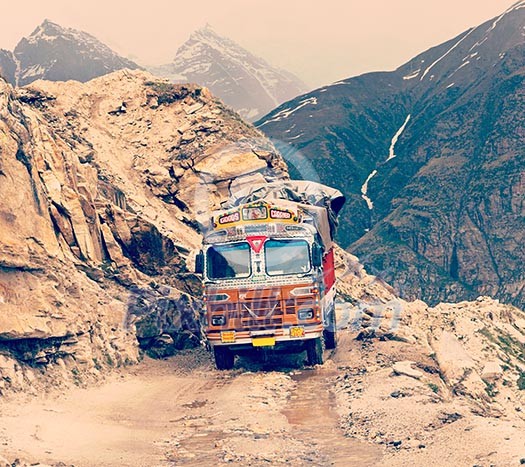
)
(263, 341)
(296, 331)
(227, 337)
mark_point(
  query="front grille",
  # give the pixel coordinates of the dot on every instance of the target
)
(293, 304)
(261, 313)
(223, 307)
(259, 309)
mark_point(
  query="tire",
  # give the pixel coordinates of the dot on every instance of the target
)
(224, 358)
(314, 351)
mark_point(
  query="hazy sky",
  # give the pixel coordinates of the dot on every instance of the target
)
(321, 41)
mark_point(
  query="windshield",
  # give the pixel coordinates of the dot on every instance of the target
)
(286, 257)
(228, 261)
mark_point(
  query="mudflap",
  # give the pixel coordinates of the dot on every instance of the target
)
(314, 351)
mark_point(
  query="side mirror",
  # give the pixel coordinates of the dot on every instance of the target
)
(317, 255)
(199, 263)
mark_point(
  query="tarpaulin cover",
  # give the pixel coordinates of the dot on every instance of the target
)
(319, 201)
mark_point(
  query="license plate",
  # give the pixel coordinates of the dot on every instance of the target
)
(296, 331)
(227, 337)
(263, 341)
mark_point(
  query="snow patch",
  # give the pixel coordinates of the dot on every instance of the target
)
(516, 6)
(477, 44)
(446, 53)
(285, 113)
(412, 75)
(391, 153)
(461, 66)
(364, 190)
(35, 70)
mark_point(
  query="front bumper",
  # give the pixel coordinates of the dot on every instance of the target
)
(248, 339)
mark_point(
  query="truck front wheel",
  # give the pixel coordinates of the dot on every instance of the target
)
(314, 351)
(224, 358)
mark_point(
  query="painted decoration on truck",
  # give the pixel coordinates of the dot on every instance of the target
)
(252, 213)
(329, 270)
(225, 220)
(282, 214)
(256, 242)
(255, 213)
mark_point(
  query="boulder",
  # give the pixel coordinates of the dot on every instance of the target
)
(405, 368)
(229, 164)
(458, 368)
(492, 371)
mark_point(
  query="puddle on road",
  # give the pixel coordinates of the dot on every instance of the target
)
(198, 450)
(312, 411)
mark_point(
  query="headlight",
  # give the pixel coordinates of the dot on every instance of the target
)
(305, 313)
(218, 320)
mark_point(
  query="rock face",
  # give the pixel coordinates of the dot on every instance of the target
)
(413, 378)
(100, 184)
(410, 368)
(431, 159)
(242, 80)
(8, 66)
(55, 53)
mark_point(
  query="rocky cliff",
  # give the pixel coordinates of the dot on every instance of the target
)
(8, 67)
(414, 379)
(100, 187)
(431, 159)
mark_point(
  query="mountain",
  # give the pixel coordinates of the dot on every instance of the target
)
(431, 157)
(56, 53)
(242, 80)
(8, 66)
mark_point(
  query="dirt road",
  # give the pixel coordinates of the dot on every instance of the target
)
(182, 411)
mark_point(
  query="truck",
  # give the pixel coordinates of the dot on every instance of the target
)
(267, 265)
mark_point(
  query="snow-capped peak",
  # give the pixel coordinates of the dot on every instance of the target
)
(243, 80)
(206, 31)
(50, 31)
(59, 53)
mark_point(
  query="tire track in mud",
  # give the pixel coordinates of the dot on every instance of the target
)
(297, 411)
(312, 412)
